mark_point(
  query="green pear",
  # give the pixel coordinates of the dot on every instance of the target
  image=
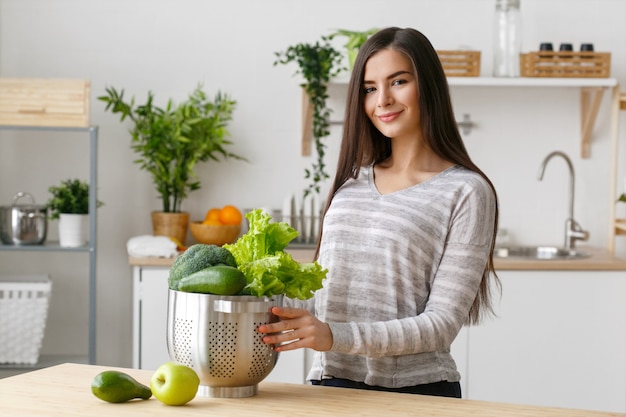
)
(118, 387)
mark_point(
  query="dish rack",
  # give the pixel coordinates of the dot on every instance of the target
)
(24, 301)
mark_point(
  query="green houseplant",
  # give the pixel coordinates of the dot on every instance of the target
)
(69, 204)
(317, 63)
(70, 197)
(354, 42)
(171, 140)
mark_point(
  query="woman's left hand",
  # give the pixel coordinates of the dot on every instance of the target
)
(297, 328)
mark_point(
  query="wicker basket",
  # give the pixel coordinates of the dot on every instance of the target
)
(460, 63)
(24, 303)
(566, 64)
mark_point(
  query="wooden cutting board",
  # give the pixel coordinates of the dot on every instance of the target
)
(64, 390)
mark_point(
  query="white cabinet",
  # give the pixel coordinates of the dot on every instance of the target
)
(150, 321)
(559, 340)
(149, 317)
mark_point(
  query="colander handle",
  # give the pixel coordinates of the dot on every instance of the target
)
(234, 307)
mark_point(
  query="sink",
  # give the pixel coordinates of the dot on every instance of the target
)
(538, 253)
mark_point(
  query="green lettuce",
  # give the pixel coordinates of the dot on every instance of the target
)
(270, 270)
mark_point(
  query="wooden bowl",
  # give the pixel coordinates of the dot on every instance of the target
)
(214, 234)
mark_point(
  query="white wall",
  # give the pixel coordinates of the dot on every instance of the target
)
(170, 46)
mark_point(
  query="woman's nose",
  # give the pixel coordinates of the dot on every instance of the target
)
(384, 98)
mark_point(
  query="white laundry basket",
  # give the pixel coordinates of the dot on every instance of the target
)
(24, 301)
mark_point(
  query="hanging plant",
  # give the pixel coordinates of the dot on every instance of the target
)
(317, 63)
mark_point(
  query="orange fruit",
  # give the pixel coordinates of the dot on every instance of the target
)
(213, 215)
(179, 246)
(230, 215)
(212, 222)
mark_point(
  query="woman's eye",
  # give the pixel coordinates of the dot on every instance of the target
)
(368, 90)
(398, 82)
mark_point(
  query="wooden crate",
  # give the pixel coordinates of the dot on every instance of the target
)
(460, 63)
(44, 102)
(566, 64)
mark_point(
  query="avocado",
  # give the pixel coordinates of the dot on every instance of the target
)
(118, 387)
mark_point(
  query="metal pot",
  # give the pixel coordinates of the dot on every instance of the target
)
(23, 224)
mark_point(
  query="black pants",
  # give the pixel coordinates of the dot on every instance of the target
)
(440, 389)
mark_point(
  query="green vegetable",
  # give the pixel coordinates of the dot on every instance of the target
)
(118, 387)
(220, 280)
(196, 258)
(268, 269)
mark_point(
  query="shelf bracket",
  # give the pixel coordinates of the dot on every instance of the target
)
(466, 125)
(307, 124)
(590, 100)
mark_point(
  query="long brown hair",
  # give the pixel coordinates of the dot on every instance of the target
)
(362, 144)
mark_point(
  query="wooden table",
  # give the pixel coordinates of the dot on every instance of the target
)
(65, 390)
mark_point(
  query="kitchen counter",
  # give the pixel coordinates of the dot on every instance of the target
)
(600, 260)
(64, 390)
(300, 254)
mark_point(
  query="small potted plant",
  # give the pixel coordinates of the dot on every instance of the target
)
(355, 40)
(70, 205)
(170, 141)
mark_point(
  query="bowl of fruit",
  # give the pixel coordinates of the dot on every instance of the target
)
(219, 227)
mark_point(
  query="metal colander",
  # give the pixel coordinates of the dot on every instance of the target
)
(217, 337)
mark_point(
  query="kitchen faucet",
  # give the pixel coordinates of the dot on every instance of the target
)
(573, 231)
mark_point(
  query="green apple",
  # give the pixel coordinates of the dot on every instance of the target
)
(174, 383)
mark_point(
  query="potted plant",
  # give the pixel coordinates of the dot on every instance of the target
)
(317, 63)
(170, 141)
(70, 205)
(354, 42)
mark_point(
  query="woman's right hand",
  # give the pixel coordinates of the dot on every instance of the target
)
(297, 328)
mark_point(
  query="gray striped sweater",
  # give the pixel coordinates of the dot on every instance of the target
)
(404, 270)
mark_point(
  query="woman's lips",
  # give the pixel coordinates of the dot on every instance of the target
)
(388, 117)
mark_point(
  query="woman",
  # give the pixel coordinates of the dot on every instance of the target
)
(407, 237)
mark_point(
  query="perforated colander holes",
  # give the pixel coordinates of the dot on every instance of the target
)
(183, 330)
(223, 342)
(261, 356)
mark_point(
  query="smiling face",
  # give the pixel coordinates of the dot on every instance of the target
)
(391, 98)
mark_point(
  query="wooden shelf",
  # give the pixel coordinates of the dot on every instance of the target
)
(519, 82)
(617, 225)
(620, 226)
(532, 82)
(591, 93)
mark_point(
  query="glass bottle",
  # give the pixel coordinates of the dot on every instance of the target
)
(507, 40)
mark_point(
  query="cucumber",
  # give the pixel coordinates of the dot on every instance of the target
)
(219, 280)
